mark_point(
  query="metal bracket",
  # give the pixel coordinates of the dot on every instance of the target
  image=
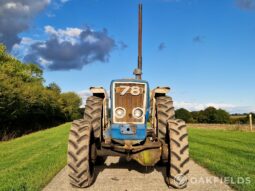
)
(128, 130)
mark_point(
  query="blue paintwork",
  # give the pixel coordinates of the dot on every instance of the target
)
(115, 129)
(139, 135)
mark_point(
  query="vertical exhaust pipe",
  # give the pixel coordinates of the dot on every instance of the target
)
(138, 71)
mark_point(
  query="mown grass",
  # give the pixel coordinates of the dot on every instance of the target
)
(28, 163)
(226, 154)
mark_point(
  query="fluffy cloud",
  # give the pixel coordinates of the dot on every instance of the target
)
(16, 17)
(191, 106)
(69, 34)
(71, 48)
(23, 48)
(84, 95)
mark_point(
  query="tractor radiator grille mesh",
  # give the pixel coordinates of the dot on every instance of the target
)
(129, 96)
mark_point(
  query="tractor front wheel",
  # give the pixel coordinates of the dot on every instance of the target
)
(178, 147)
(81, 154)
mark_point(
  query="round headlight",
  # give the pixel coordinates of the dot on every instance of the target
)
(120, 112)
(137, 113)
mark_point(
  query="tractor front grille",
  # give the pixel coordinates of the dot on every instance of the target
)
(129, 95)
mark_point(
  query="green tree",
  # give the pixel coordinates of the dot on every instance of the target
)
(210, 114)
(184, 115)
(195, 116)
(54, 87)
(26, 105)
(70, 105)
(213, 115)
(222, 116)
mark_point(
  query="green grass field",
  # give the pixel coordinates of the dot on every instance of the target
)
(226, 154)
(31, 161)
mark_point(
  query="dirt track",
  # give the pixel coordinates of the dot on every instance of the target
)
(120, 175)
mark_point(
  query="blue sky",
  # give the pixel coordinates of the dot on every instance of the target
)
(203, 49)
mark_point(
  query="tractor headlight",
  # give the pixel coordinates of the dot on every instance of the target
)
(120, 112)
(137, 112)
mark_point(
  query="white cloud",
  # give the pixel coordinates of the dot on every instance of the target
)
(10, 5)
(21, 49)
(90, 39)
(84, 95)
(192, 106)
(71, 48)
(44, 62)
(16, 16)
(72, 32)
(71, 35)
(199, 106)
(50, 30)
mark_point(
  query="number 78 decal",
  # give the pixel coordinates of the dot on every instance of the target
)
(135, 90)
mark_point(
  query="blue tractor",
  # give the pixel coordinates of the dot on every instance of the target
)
(133, 122)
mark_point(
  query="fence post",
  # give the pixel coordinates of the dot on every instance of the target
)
(250, 117)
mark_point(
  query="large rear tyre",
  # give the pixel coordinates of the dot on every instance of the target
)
(164, 112)
(177, 167)
(81, 154)
(94, 114)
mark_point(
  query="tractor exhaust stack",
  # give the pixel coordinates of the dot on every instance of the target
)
(138, 71)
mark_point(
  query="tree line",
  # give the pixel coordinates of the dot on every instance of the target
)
(26, 104)
(212, 115)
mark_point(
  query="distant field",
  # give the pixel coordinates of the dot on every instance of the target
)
(28, 163)
(238, 116)
(225, 153)
(222, 126)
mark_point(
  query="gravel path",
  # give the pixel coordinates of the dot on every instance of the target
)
(119, 175)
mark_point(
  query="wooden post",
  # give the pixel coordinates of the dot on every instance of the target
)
(250, 117)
